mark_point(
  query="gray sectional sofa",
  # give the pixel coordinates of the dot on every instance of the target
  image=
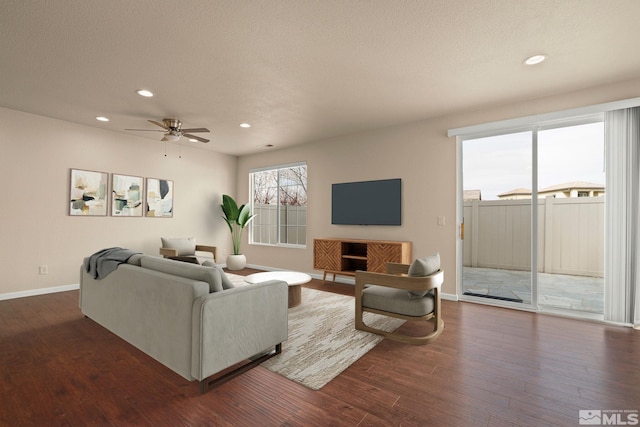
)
(187, 316)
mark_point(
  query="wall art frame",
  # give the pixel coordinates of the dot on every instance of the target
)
(159, 198)
(88, 193)
(127, 195)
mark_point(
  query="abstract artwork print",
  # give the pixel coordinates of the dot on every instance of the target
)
(126, 195)
(88, 193)
(159, 198)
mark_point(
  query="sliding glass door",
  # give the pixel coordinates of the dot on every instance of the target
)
(497, 219)
(571, 196)
(533, 218)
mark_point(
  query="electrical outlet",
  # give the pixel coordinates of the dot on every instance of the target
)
(43, 269)
(441, 220)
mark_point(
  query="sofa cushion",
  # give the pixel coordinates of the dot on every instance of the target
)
(186, 270)
(422, 267)
(226, 282)
(184, 246)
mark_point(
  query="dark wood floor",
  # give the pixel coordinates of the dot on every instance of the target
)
(490, 367)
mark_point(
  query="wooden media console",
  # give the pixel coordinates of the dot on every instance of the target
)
(344, 256)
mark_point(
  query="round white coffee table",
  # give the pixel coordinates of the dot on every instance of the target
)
(293, 278)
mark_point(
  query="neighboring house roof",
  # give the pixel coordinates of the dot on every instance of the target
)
(567, 186)
(516, 192)
(471, 195)
(572, 185)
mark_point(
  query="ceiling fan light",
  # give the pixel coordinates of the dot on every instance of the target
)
(535, 59)
(171, 138)
(144, 92)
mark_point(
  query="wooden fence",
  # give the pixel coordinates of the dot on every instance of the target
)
(570, 235)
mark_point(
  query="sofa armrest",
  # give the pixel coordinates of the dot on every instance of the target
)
(236, 324)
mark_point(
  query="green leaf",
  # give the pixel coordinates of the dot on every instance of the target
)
(229, 207)
(244, 216)
(241, 215)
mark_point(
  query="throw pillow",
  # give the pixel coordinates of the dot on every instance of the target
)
(422, 267)
(183, 246)
(226, 282)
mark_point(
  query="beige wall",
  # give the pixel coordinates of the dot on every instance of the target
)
(389, 153)
(36, 155)
(419, 153)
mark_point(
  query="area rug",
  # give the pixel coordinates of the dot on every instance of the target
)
(323, 341)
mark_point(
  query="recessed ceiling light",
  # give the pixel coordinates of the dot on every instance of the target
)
(102, 118)
(535, 59)
(245, 125)
(145, 93)
(193, 140)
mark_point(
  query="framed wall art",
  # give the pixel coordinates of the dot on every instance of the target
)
(88, 193)
(159, 198)
(126, 195)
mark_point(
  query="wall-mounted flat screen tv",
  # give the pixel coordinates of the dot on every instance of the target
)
(367, 202)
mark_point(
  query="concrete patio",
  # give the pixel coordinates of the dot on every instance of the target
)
(555, 291)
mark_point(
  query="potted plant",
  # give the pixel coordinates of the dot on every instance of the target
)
(237, 219)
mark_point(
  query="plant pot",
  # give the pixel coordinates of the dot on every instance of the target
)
(236, 262)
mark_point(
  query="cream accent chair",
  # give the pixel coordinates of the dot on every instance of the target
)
(398, 295)
(186, 249)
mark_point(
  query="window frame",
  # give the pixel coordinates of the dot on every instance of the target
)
(278, 224)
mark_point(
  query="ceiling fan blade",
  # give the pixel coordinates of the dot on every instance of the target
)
(147, 130)
(196, 130)
(157, 124)
(186, 135)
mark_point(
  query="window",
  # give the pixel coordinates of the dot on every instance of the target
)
(280, 204)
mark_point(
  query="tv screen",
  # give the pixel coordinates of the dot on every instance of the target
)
(367, 203)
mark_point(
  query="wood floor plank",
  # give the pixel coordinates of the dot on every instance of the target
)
(490, 367)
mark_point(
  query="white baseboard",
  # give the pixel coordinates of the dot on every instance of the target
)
(41, 291)
(449, 297)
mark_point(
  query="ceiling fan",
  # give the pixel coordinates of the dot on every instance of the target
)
(174, 131)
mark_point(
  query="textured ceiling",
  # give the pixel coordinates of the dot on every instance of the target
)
(301, 71)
